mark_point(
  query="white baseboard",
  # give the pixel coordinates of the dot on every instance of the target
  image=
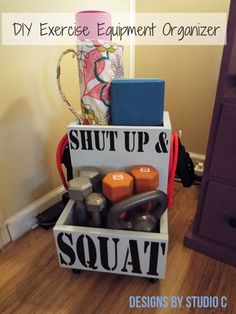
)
(4, 236)
(198, 161)
(197, 157)
(25, 219)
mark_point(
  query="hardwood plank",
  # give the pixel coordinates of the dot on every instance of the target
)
(32, 282)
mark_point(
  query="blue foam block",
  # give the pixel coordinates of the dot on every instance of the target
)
(137, 102)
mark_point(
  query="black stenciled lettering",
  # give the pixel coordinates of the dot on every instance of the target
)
(127, 141)
(113, 135)
(74, 142)
(161, 146)
(153, 259)
(143, 139)
(116, 255)
(80, 250)
(92, 258)
(133, 252)
(92, 253)
(86, 140)
(163, 247)
(66, 248)
(104, 252)
(99, 138)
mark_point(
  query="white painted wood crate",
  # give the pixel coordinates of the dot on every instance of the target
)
(124, 252)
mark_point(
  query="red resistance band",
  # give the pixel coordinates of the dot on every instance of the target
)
(174, 151)
(60, 150)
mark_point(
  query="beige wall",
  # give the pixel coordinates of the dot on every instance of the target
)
(32, 115)
(191, 73)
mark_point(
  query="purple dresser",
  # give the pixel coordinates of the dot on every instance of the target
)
(214, 229)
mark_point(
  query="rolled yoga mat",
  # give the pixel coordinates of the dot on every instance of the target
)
(99, 61)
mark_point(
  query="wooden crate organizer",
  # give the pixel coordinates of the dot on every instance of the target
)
(107, 250)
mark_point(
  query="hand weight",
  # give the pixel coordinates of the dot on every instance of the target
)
(96, 203)
(139, 221)
(117, 186)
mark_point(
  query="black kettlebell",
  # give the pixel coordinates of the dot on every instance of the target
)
(139, 220)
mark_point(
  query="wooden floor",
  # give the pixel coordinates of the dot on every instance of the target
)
(32, 282)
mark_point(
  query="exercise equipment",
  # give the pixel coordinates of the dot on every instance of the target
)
(138, 220)
(99, 61)
(79, 188)
(137, 102)
(80, 214)
(174, 152)
(146, 178)
(95, 204)
(92, 173)
(117, 186)
(61, 150)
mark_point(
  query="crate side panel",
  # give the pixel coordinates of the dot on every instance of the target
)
(113, 253)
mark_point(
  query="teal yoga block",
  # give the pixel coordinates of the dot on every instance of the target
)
(137, 102)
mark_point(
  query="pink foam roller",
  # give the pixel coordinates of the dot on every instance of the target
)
(100, 62)
(91, 19)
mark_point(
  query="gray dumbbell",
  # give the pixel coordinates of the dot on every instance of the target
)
(92, 173)
(95, 203)
(80, 214)
(79, 188)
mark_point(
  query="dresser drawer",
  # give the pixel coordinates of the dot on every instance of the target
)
(223, 162)
(219, 214)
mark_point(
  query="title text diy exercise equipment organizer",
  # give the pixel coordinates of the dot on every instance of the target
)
(124, 252)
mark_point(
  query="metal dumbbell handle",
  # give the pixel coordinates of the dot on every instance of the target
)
(96, 219)
(128, 205)
(80, 214)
